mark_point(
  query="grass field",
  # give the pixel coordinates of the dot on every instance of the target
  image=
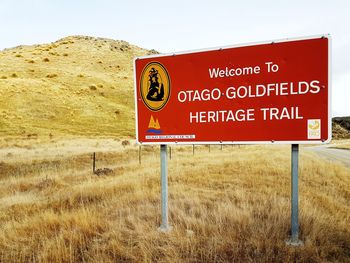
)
(342, 144)
(230, 205)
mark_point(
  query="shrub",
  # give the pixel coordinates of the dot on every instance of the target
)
(125, 143)
(31, 61)
(80, 75)
(65, 54)
(32, 135)
(93, 87)
(14, 75)
(3, 77)
(152, 52)
(103, 171)
(53, 75)
(46, 60)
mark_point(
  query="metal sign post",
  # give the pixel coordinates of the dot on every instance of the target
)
(294, 241)
(164, 227)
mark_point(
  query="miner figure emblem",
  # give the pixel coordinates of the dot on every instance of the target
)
(156, 89)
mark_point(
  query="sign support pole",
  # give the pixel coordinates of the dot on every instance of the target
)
(164, 188)
(294, 241)
(94, 162)
(140, 154)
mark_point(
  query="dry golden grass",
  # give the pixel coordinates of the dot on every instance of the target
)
(341, 144)
(225, 206)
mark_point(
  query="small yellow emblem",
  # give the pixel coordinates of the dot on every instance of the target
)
(153, 124)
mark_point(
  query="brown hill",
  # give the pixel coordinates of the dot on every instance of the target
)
(77, 85)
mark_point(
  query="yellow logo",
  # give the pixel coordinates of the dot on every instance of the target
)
(315, 125)
(155, 86)
(314, 129)
(153, 124)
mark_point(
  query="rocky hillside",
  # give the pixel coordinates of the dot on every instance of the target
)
(341, 127)
(77, 85)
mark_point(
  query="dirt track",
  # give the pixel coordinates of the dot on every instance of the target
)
(340, 155)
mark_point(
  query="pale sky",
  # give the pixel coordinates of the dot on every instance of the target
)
(171, 26)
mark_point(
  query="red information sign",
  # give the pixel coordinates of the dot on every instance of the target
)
(272, 92)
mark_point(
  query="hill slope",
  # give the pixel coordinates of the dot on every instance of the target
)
(77, 85)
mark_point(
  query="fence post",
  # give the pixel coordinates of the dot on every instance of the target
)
(94, 162)
(140, 154)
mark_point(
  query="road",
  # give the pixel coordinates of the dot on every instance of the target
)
(340, 155)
